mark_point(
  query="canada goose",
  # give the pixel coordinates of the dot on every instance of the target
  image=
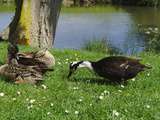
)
(114, 68)
(20, 74)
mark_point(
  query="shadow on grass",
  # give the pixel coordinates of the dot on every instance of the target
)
(99, 81)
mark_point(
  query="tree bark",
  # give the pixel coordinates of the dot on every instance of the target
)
(35, 22)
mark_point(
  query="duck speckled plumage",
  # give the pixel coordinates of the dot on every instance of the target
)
(20, 74)
(42, 59)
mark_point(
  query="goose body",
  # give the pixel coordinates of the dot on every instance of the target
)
(115, 68)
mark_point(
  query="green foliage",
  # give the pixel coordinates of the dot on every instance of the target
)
(7, 8)
(93, 9)
(153, 44)
(84, 92)
(100, 46)
(152, 36)
(153, 3)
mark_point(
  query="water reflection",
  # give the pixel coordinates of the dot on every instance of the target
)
(5, 19)
(118, 27)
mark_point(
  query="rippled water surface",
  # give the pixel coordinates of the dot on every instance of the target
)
(118, 27)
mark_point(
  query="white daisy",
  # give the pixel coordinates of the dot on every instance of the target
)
(101, 97)
(66, 111)
(148, 106)
(18, 92)
(51, 104)
(48, 113)
(120, 91)
(80, 100)
(115, 113)
(44, 86)
(122, 86)
(14, 99)
(32, 101)
(75, 88)
(1, 94)
(76, 112)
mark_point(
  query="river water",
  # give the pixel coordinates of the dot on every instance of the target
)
(119, 27)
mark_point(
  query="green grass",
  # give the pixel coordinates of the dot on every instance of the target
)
(102, 46)
(94, 9)
(7, 8)
(138, 100)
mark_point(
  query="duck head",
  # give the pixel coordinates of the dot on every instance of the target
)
(12, 52)
(81, 64)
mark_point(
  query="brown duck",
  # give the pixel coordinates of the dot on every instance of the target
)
(42, 59)
(20, 74)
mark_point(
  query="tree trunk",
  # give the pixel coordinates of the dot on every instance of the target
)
(35, 22)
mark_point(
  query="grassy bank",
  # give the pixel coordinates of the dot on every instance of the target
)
(7, 8)
(84, 96)
(94, 9)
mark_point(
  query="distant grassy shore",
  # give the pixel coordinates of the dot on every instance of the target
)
(84, 96)
(94, 9)
(7, 8)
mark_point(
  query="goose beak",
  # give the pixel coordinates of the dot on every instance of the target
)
(70, 73)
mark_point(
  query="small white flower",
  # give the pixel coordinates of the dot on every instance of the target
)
(122, 86)
(14, 99)
(75, 88)
(102, 94)
(148, 74)
(51, 104)
(29, 107)
(115, 113)
(48, 113)
(66, 111)
(18, 92)
(90, 104)
(156, 29)
(106, 92)
(147, 32)
(101, 97)
(120, 91)
(59, 63)
(133, 79)
(80, 100)
(44, 86)
(148, 106)
(27, 99)
(67, 59)
(32, 101)
(1, 94)
(76, 112)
